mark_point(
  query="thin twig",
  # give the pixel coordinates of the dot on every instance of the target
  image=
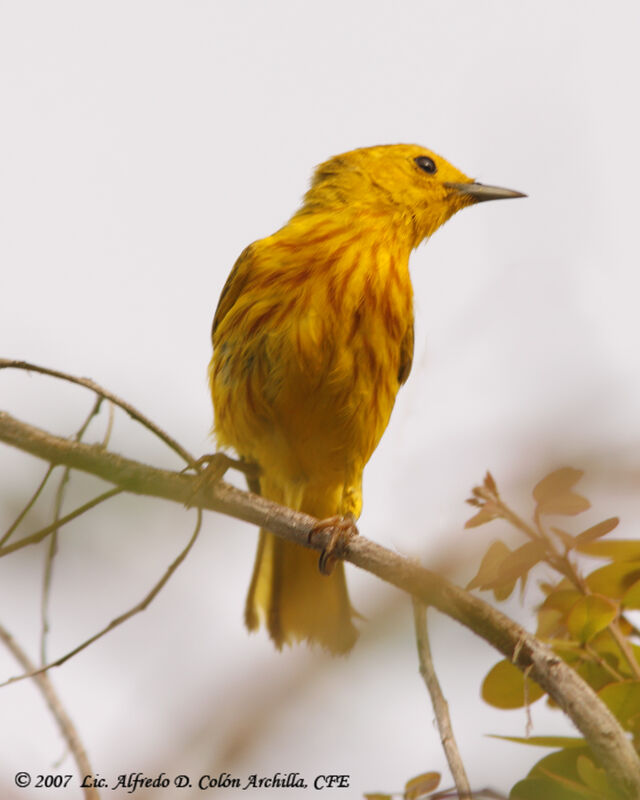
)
(605, 736)
(138, 608)
(53, 541)
(67, 728)
(7, 363)
(625, 648)
(29, 505)
(38, 536)
(440, 705)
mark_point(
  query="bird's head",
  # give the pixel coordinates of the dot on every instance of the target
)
(403, 184)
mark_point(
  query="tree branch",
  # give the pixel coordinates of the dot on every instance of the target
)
(438, 700)
(67, 728)
(606, 738)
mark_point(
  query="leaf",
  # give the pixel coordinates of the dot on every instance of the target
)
(556, 777)
(490, 565)
(615, 579)
(562, 600)
(589, 616)
(504, 687)
(596, 531)
(554, 496)
(520, 561)
(484, 515)
(490, 483)
(551, 623)
(568, 504)
(587, 665)
(593, 777)
(544, 741)
(543, 789)
(593, 673)
(575, 788)
(623, 700)
(559, 481)
(378, 796)
(631, 598)
(421, 785)
(562, 762)
(503, 592)
(618, 549)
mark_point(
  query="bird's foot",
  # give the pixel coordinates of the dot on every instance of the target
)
(342, 530)
(211, 468)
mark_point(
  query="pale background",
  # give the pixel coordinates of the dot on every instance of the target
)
(142, 146)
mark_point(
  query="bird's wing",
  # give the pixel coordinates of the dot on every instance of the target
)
(406, 354)
(233, 287)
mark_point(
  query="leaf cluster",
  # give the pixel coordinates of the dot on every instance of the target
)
(583, 618)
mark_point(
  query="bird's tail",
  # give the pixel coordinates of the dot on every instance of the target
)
(289, 593)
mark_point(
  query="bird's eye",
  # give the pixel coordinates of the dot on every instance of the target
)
(426, 164)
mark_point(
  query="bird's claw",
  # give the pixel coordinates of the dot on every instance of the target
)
(342, 530)
(211, 468)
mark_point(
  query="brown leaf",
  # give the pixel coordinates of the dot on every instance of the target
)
(484, 515)
(490, 483)
(421, 785)
(520, 561)
(503, 591)
(559, 481)
(490, 565)
(554, 496)
(569, 504)
(596, 531)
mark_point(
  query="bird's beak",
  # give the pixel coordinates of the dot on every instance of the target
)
(479, 192)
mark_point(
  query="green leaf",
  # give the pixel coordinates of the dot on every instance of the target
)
(543, 741)
(554, 496)
(618, 549)
(504, 687)
(623, 700)
(421, 785)
(562, 762)
(631, 598)
(543, 789)
(561, 600)
(615, 579)
(556, 777)
(590, 615)
(551, 623)
(593, 777)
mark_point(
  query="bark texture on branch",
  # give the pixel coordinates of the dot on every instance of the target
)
(594, 720)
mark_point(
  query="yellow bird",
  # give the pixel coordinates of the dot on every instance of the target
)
(312, 338)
